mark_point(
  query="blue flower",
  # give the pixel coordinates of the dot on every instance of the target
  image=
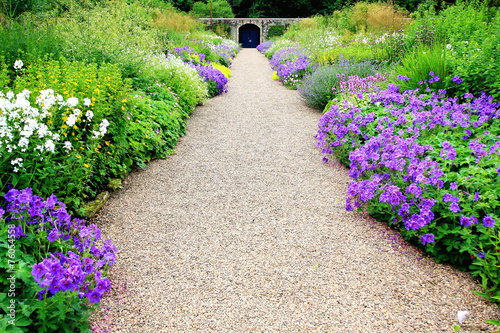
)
(481, 255)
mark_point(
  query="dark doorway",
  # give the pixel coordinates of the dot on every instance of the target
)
(249, 36)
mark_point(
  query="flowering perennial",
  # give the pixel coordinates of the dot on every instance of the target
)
(405, 150)
(73, 260)
(291, 64)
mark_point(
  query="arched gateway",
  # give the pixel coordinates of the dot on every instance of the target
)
(250, 32)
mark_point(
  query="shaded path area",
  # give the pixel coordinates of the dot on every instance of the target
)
(244, 230)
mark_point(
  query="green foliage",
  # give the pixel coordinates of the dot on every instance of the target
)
(28, 41)
(220, 8)
(419, 63)
(120, 34)
(276, 31)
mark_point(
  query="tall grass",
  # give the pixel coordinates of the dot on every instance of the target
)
(173, 20)
(419, 63)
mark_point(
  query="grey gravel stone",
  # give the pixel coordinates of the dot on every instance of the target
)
(244, 230)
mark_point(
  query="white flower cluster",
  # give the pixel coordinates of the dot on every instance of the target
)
(18, 64)
(331, 39)
(22, 124)
(387, 36)
(103, 127)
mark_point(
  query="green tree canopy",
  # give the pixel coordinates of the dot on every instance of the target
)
(220, 8)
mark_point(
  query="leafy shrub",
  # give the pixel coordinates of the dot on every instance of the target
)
(428, 165)
(120, 34)
(28, 41)
(353, 52)
(276, 31)
(180, 77)
(53, 270)
(477, 64)
(107, 91)
(321, 86)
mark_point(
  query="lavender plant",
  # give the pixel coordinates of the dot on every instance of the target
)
(318, 88)
(54, 267)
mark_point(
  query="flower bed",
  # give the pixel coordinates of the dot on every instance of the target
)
(426, 163)
(54, 267)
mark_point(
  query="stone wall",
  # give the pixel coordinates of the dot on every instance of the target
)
(263, 23)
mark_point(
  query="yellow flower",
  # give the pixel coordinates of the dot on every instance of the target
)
(85, 165)
(107, 143)
(124, 101)
(99, 146)
(78, 156)
(64, 133)
(74, 127)
(81, 148)
(122, 106)
(96, 150)
(109, 153)
(49, 122)
(73, 133)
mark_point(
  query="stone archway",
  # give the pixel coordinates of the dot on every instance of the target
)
(249, 35)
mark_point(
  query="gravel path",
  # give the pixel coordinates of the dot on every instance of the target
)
(244, 230)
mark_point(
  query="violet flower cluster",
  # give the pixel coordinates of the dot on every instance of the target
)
(404, 146)
(291, 64)
(77, 269)
(211, 74)
(188, 54)
(263, 47)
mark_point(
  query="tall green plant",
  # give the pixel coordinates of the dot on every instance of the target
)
(418, 65)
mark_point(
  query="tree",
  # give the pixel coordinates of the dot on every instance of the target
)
(184, 5)
(220, 8)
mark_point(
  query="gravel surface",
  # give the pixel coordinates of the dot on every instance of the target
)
(244, 230)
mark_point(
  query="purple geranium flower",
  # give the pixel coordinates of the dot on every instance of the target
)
(488, 221)
(454, 207)
(427, 239)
